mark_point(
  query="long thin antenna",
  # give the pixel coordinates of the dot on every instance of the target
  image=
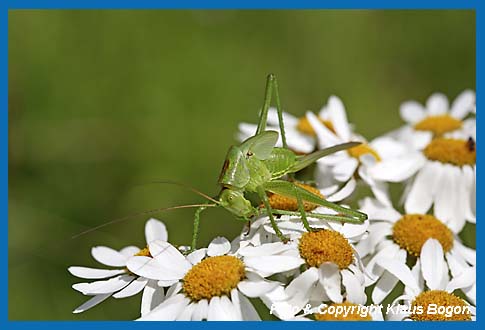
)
(181, 185)
(140, 213)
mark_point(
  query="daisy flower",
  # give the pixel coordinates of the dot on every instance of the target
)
(331, 271)
(435, 119)
(429, 292)
(208, 284)
(396, 236)
(345, 166)
(118, 281)
(445, 177)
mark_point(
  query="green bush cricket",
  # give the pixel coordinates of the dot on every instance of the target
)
(258, 166)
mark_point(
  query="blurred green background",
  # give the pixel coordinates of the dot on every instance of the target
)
(100, 101)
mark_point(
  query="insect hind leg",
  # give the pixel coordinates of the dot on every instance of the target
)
(272, 87)
(301, 209)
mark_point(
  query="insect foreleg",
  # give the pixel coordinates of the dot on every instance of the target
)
(264, 198)
(195, 235)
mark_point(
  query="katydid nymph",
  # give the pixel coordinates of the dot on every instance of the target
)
(258, 166)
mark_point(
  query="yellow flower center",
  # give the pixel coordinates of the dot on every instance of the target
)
(213, 277)
(353, 312)
(436, 305)
(439, 125)
(452, 151)
(280, 202)
(363, 149)
(325, 246)
(305, 127)
(145, 252)
(413, 230)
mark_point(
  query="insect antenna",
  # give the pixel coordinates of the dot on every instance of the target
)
(141, 213)
(180, 184)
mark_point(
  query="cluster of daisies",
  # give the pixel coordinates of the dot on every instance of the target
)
(406, 262)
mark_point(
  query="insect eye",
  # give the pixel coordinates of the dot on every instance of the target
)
(230, 198)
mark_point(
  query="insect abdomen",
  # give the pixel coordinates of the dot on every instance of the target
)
(280, 161)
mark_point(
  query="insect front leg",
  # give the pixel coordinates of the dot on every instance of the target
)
(264, 198)
(195, 235)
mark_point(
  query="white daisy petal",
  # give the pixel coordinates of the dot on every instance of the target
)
(432, 263)
(256, 288)
(246, 130)
(265, 249)
(155, 230)
(466, 279)
(129, 251)
(288, 119)
(248, 312)
(216, 311)
(399, 270)
(201, 310)
(468, 178)
(420, 139)
(421, 195)
(378, 211)
(93, 273)
(132, 289)
(397, 169)
(186, 314)
(153, 269)
(103, 287)
(412, 112)
(373, 270)
(463, 104)
(197, 256)
(299, 290)
(168, 310)
(471, 293)
(447, 207)
(384, 286)
(344, 171)
(219, 246)
(378, 232)
(269, 265)
(456, 264)
(153, 295)
(324, 135)
(437, 104)
(329, 277)
(353, 287)
(108, 256)
(468, 254)
(338, 117)
(166, 252)
(345, 192)
(91, 303)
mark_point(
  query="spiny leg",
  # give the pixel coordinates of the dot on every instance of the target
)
(301, 209)
(195, 235)
(287, 189)
(330, 217)
(264, 198)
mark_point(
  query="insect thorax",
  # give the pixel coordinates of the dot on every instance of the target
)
(280, 162)
(258, 172)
